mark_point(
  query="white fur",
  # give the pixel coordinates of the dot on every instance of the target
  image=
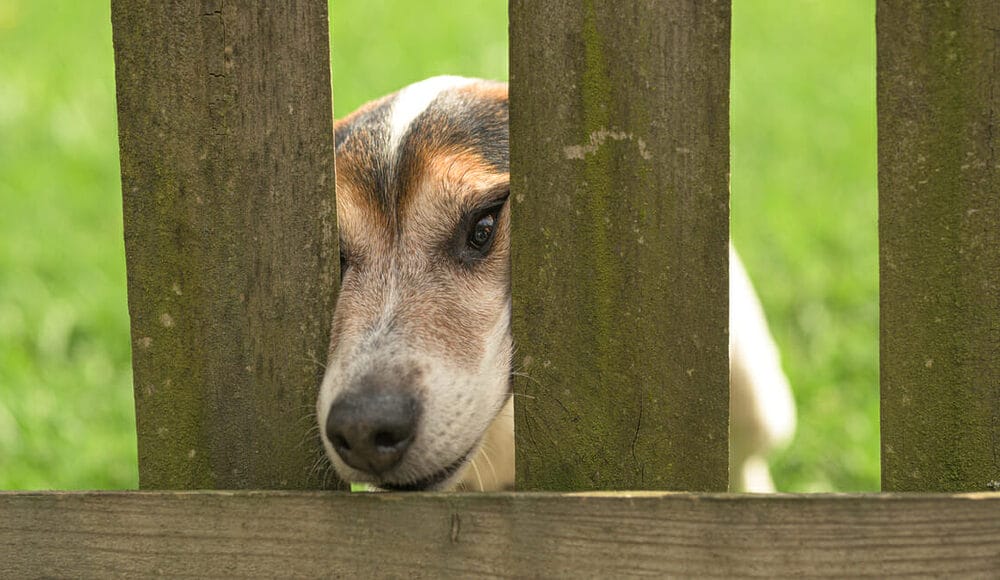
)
(762, 411)
(492, 465)
(464, 401)
(413, 100)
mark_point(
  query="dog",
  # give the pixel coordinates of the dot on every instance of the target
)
(417, 389)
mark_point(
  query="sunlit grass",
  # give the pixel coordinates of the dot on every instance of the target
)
(804, 217)
(66, 417)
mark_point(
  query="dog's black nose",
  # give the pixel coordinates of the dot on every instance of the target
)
(371, 431)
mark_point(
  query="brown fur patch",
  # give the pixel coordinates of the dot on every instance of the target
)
(439, 304)
(486, 91)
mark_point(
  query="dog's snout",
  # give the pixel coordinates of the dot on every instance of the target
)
(371, 431)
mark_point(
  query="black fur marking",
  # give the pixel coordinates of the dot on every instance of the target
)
(365, 139)
(456, 119)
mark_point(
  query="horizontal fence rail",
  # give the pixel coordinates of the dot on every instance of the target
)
(316, 534)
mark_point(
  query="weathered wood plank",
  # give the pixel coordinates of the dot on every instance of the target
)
(619, 179)
(315, 534)
(226, 136)
(939, 229)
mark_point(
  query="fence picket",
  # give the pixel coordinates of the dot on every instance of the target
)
(225, 123)
(939, 229)
(619, 180)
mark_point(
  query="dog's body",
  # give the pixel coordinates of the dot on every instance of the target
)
(417, 389)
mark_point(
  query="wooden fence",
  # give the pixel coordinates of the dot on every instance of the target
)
(619, 172)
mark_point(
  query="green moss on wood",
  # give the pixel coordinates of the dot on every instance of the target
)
(939, 229)
(619, 247)
(230, 243)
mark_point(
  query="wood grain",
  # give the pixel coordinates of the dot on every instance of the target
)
(226, 135)
(330, 534)
(619, 116)
(939, 230)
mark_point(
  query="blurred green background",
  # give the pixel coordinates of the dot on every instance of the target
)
(804, 216)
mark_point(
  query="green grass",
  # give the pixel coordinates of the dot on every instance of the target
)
(803, 216)
(804, 208)
(66, 418)
(380, 46)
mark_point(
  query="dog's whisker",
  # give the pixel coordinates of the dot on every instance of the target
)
(526, 376)
(310, 436)
(309, 416)
(327, 475)
(311, 357)
(479, 477)
(320, 460)
(312, 433)
(310, 419)
(486, 456)
(314, 468)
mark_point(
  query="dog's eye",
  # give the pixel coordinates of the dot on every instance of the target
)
(482, 234)
(472, 241)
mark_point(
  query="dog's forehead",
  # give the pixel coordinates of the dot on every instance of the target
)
(383, 148)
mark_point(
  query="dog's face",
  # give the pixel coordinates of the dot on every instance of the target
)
(420, 352)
